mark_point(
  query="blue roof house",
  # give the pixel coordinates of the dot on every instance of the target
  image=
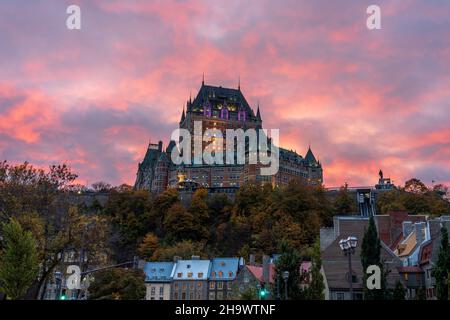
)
(158, 278)
(190, 279)
(221, 277)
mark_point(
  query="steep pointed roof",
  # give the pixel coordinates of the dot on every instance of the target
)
(310, 156)
(258, 113)
(219, 95)
(183, 116)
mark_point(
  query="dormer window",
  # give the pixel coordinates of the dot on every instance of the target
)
(241, 115)
(224, 113)
(207, 110)
(188, 266)
(220, 274)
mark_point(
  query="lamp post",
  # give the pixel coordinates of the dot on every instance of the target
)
(348, 248)
(278, 287)
(286, 277)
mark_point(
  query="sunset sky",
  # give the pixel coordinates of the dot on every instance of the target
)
(94, 98)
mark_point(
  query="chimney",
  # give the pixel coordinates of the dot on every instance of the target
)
(407, 228)
(251, 259)
(176, 258)
(160, 146)
(195, 257)
(418, 227)
(266, 262)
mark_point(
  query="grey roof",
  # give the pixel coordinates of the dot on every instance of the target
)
(290, 155)
(310, 156)
(218, 96)
(151, 156)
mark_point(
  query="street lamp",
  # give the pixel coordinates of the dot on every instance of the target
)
(348, 247)
(285, 277)
(258, 288)
(278, 287)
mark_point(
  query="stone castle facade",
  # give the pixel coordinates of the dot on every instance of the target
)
(220, 108)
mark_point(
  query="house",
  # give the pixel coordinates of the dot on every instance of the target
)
(255, 276)
(222, 273)
(158, 277)
(413, 280)
(391, 226)
(336, 265)
(429, 251)
(408, 247)
(190, 279)
(419, 250)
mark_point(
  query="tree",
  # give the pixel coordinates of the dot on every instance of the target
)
(39, 199)
(414, 185)
(18, 260)
(101, 186)
(118, 284)
(441, 270)
(421, 294)
(129, 213)
(289, 261)
(249, 293)
(371, 255)
(148, 246)
(160, 207)
(399, 291)
(184, 249)
(415, 198)
(344, 204)
(315, 290)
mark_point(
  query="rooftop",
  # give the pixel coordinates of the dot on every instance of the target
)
(192, 270)
(224, 268)
(158, 271)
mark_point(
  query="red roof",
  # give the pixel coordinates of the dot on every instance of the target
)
(305, 266)
(425, 253)
(410, 270)
(257, 272)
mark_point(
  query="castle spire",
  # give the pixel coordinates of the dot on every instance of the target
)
(183, 116)
(203, 79)
(239, 82)
(258, 114)
(310, 159)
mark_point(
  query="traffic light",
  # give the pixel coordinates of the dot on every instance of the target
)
(263, 293)
(63, 295)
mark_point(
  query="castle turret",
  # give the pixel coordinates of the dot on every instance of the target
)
(310, 159)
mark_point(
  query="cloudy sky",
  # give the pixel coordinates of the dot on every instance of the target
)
(94, 98)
